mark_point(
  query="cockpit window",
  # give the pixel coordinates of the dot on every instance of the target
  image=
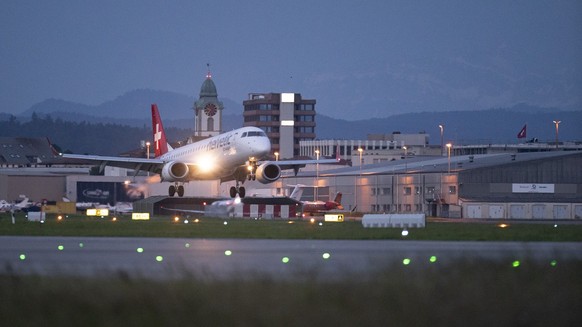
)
(253, 133)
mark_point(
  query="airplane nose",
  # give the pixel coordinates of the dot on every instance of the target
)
(265, 146)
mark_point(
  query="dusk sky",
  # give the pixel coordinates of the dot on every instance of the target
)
(358, 59)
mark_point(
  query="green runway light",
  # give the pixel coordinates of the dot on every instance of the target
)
(285, 260)
(228, 253)
(432, 259)
(326, 255)
(553, 263)
(139, 250)
(515, 264)
(406, 261)
(60, 247)
(22, 257)
(159, 258)
(81, 245)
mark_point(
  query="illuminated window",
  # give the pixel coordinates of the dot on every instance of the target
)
(407, 190)
(452, 189)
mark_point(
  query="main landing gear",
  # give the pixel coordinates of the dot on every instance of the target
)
(177, 188)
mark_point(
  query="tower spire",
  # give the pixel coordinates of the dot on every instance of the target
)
(208, 74)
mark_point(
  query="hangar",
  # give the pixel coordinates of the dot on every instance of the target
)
(536, 185)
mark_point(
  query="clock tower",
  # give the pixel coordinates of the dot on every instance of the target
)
(208, 110)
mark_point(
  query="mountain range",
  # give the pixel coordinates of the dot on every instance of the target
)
(496, 125)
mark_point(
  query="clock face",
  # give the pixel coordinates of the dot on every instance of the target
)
(210, 109)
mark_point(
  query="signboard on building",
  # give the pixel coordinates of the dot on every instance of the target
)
(532, 188)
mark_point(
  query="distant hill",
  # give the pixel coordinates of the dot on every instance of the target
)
(486, 126)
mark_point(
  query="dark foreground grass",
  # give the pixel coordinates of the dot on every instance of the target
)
(472, 294)
(277, 229)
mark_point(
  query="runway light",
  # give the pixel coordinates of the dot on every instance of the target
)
(555, 225)
(432, 259)
(159, 258)
(22, 257)
(196, 220)
(60, 247)
(176, 219)
(503, 225)
(312, 220)
(290, 222)
(185, 221)
(114, 219)
(285, 260)
(59, 218)
(406, 261)
(320, 223)
(187, 245)
(139, 250)
(553, 263)
(228, 253)
(515, 264)
(326, 256)
(225, 223)
(81, 245)
(404, 232)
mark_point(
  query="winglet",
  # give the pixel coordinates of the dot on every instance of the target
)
(160, 142)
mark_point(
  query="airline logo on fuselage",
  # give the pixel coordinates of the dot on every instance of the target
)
(219, 142)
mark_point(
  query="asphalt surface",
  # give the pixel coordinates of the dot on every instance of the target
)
(163, 258)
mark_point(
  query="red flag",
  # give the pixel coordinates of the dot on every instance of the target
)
(522, 133)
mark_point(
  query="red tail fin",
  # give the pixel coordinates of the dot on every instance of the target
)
(160, 142)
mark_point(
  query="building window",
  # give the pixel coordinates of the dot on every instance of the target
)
(407, 207)
(452, 189)
(417, 190)
(430, 190)
(407, 190)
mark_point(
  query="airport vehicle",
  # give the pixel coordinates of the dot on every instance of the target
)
(234, 155)
(311, 207)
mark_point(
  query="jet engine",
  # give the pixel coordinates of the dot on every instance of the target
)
(175, 171)
(268, 173)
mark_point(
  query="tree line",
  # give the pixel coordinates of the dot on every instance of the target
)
(84, 137)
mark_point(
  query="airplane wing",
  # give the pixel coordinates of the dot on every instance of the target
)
(152, 165)
(297, 164)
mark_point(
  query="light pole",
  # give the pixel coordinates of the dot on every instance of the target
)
(442, 131)
(148, 152)
(449, 146)
(405, 151)
(361, 152)
(317, 174)
(557, 123)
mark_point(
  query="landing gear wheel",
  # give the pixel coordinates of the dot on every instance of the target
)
(232, 192)
(181, 190)
(241, 192)
(171, 190)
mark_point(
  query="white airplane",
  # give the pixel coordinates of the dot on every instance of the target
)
(7, 206)
(234, 155)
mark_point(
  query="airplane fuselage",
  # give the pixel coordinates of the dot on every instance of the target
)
(220, 155)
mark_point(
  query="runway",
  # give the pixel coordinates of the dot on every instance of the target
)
(162, 258)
